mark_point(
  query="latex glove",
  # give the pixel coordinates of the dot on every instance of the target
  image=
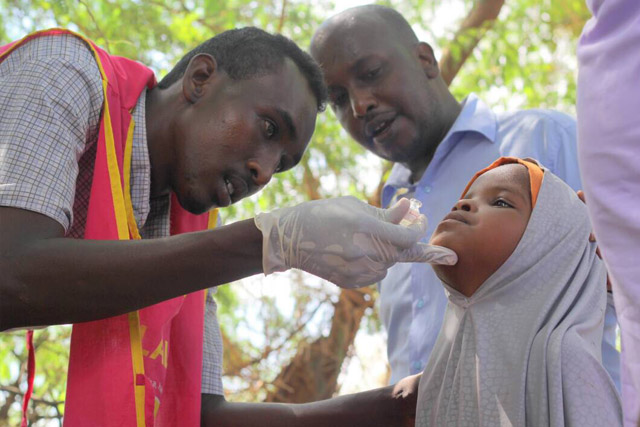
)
(423, 252)
(432, 254)
(343, 240)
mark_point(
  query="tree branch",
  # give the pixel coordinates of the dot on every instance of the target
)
(237, 367)
(95, 22)
(313, 372)
(282, 16)
(480, 19)
(184, 9)
(310, 183)
(15, 391)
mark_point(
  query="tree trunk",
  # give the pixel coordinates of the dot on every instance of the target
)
(313, 372)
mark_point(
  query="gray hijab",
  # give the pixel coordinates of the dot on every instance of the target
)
(525, 349)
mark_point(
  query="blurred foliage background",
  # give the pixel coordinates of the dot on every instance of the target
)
(292, 337)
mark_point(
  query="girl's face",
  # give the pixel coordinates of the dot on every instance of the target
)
(485, 226)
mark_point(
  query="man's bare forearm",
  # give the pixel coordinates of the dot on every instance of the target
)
(380, 407)
(52, 280)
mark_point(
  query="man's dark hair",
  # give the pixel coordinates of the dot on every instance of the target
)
(249, 52)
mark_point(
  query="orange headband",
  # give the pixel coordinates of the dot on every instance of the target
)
(535, 175)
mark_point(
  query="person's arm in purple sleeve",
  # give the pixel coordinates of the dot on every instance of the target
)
(609, 154)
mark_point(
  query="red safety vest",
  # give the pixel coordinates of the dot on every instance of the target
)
(142, 368)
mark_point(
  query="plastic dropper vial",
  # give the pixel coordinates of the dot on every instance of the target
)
(413, 214)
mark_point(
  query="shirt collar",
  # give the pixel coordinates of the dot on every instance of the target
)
(475, 116)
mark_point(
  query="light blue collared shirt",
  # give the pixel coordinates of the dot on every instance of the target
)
(412, 299)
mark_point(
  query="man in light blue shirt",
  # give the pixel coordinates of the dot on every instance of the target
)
(387, 92)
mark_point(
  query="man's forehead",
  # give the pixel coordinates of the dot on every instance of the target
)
(285, 92)
(348, 22)
(289, 83)
(349, 38)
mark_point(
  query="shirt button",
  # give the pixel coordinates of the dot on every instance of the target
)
(420, 303)
(417, 366)
(427, 189)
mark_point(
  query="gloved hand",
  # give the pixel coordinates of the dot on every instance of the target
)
(432, 254)
(343, 240)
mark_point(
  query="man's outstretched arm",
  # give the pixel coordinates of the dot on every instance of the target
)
(48, 279)
(388, 406)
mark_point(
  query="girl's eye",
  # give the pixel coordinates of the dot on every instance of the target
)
(270, 129)
(501, 203)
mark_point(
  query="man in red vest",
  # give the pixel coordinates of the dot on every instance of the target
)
(100, 170)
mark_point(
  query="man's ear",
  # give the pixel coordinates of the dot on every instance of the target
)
(427, 59)
(198, 76)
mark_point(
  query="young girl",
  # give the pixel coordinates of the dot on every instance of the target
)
(520, 342)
